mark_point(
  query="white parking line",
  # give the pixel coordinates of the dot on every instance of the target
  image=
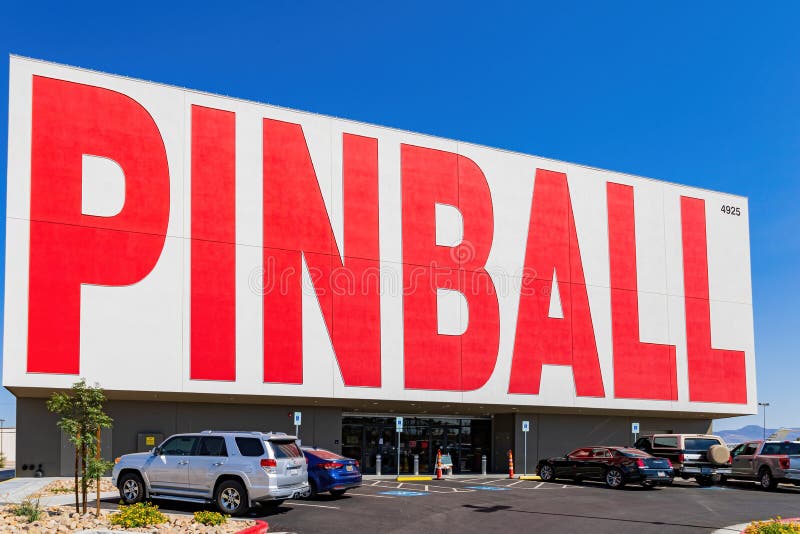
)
(368, 495)
(515, 483)
(540, 485)
(312, 505)
(492, 482)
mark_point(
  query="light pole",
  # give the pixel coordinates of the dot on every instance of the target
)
(764, 404)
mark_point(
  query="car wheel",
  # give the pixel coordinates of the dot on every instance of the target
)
(231, 498)
(704, 481)
(723, 479)
(547, 473)
(338, 493)
(766, 480)
(614, 478)
(131, 488)
(312, 486)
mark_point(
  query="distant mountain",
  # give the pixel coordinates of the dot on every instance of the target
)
(750, 432)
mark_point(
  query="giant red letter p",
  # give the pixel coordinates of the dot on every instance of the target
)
(69, 248)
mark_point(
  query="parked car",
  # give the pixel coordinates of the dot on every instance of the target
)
(234, 470)
(793, 473)
(702, 456)
(616, 466)
(331, 472)
(767, 462)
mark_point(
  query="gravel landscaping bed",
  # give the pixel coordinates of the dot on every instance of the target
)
(67, 487)
(64, 519)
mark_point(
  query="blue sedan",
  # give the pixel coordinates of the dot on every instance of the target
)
(328, 471)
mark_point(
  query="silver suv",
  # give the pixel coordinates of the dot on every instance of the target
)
(235, 470)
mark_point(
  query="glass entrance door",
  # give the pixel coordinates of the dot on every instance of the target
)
(366, 437)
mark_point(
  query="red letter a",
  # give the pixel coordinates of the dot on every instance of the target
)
(541, 339)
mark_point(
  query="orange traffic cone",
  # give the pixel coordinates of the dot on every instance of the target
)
(510, 464)
(439, 465)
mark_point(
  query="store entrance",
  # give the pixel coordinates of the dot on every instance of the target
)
(465, 440)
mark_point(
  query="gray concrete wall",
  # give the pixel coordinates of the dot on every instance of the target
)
(554, 435)
(38, 438)
(41, 442)
(502, 441)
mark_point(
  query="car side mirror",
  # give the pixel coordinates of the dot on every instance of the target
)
(156, 451)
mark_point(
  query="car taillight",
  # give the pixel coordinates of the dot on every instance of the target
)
(681, 458)
(669, 464)
(784, 462)
(730, 458)
(269, 465)
(640, 462)
(357, 464)
(331, 465)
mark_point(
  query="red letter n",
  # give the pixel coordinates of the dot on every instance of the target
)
(297, 227)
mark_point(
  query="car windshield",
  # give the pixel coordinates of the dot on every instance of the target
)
(699, 444)
(633, 453)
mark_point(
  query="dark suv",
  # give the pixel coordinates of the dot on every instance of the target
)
(702, 456)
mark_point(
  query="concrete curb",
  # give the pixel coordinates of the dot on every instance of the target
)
(259, 528)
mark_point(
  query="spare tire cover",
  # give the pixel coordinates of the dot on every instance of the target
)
(718, 454)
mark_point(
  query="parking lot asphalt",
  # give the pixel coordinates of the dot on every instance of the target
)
(487, 504)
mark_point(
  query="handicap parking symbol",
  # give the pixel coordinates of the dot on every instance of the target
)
(403, 493)
(488, 488)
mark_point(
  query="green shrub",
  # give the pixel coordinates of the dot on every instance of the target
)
(773, 526)
(141, 514)
(210, 518)
(30, 510)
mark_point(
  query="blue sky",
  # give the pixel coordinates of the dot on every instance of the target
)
(699, 93)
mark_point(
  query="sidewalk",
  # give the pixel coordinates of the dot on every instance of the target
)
(16, 490)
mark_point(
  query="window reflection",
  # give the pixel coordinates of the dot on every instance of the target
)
(465, 440)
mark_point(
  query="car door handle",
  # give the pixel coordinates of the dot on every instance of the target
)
(217, 464)
(183, 462)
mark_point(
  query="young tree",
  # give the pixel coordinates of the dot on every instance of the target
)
(82, 416)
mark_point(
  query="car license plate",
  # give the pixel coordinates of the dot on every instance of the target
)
(661, 474)
(705, 470)
(348, 468)
(292, 470)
